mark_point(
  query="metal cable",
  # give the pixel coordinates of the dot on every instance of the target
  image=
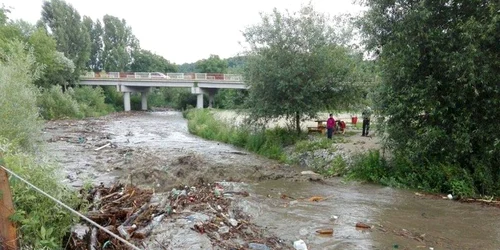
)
(72, 210)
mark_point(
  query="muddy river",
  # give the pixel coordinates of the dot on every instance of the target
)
(155, 149)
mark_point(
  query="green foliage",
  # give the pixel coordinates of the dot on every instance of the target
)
(56, 104)
(213, 64)
(401, 172)
(72, 37)
(297, 66)
(231, 98)
(96, 33)
(440, 96)
(77, 102)
(42, 224)
(146, 61)
(311, 145)
(268, 143)
(113, 97)
(119, 43)
(91, 101)
(19, 122)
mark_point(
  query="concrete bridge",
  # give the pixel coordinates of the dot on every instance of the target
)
(199, 83)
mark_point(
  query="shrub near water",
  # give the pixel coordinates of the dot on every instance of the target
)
(41, 223)
(55, 104)
(268, 143)
(75, 103)
(19, 120)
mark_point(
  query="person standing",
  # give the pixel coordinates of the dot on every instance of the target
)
(366, 114)
(330, 125)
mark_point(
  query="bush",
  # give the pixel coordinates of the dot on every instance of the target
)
(19, 118)
(42, 224)
(56, 104)
(268, 143)
(77, 102)
(91, 101)
(113, 97)
(401, 172)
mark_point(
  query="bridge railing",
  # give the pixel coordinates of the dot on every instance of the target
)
(179, 76)
(233, 77)
(170, 76)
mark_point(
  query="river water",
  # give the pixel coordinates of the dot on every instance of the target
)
(399, 218)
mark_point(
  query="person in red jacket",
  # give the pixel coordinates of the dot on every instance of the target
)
(330, 125)
(341, 127)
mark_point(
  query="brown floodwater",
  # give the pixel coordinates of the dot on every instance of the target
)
(400, 219)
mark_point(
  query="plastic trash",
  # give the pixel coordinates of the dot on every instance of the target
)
(223, 230)
(233, 222)
(258, 246)
(299, 245)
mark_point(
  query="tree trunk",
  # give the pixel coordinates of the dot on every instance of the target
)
(297, 122)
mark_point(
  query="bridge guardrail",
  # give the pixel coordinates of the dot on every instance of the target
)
(171, 76)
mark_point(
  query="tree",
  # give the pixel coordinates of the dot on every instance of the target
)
(96, 50)
(440, 94)
(146, 61)
(119, 43)
(73, 39)
(57, 69)
(213, 64)
(296, 66)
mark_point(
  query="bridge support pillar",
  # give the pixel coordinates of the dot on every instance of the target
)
(144, 100)
(211, 100)
(199, 101)
(126, 101)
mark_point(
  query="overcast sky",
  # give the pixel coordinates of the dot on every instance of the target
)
(183, 30)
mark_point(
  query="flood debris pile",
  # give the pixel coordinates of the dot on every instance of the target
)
(134, 213)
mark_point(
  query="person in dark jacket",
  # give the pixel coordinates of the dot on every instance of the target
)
(367, 113)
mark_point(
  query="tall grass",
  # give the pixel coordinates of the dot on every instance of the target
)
(400, 172)
(268, 143)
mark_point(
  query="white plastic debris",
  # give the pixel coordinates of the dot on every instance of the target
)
(300, 245)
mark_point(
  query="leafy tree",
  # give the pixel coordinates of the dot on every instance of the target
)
(296, 66)
(57, 68)
(440, 93)
(73, 39)
(213, 64)
(188, 68)
(146, 61)
(119, 43)
(96, 50)
(8, 32)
